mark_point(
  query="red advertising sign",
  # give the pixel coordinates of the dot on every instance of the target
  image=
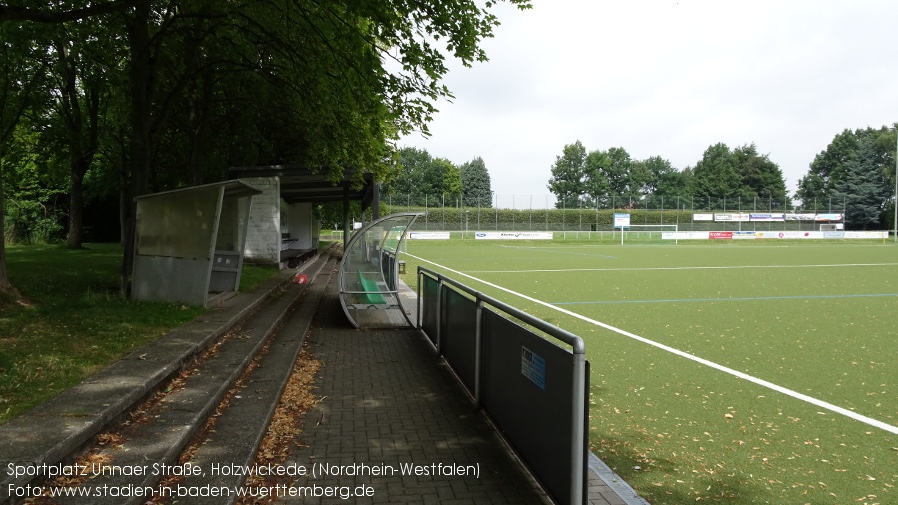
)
(720, 234)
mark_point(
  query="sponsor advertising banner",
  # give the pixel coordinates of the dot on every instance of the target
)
(703, 217)
(732, 217)
(867, 234)
(699, 235)
(801, 217)
(428, 235)
(621, 220)
(513, 235)
(768, 217)
(684, 235)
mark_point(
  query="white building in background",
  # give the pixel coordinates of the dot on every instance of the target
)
(282, 228)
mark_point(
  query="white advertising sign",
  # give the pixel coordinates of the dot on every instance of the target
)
(732, 217)
(428, 235)
(514, 235)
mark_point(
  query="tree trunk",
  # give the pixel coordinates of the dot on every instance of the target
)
(75, 237)
(141, 73)
(6, 287)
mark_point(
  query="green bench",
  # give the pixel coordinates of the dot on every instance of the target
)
(369, 284)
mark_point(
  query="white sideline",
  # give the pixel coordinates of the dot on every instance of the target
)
(761, 382)
(647, 269)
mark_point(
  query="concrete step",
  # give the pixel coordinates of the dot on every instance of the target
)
(242, 426)
(146, 451)
(49, 435)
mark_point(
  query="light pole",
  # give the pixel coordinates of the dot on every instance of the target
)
(466, 224)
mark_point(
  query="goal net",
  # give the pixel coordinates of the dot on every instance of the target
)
(647, 231)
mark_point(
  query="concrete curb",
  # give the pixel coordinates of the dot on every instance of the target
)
(54, 430)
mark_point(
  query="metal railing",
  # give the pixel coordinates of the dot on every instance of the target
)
(499, 372)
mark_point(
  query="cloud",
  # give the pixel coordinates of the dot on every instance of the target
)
(667, 78)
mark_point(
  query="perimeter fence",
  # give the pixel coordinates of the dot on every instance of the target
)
(538, 213)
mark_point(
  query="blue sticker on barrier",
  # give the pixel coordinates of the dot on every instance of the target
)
(533, 366)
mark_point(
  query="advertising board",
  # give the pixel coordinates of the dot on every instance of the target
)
(513, 235)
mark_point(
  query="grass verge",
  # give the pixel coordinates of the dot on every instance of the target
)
(75, 322)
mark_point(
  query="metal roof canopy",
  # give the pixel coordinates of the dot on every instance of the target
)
(369, 273)
(190, 242)
(301, 184)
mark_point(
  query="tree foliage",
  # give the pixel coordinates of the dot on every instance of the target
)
(863, 186)
(568, 181)
(828, 172)
(612, 177)
(156, 95)
(475, 182)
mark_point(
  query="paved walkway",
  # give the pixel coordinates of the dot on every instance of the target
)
(386, 401)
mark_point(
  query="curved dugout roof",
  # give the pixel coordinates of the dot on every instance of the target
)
(369, 273)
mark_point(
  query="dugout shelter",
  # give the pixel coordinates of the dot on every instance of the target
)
(189, 242)
(369, 273)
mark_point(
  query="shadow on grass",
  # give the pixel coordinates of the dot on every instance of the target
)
(655, 479)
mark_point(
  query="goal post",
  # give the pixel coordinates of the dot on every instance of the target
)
(640, 228)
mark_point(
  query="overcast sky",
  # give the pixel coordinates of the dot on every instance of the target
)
(668, 78)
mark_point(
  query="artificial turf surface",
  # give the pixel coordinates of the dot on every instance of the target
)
(817, 319)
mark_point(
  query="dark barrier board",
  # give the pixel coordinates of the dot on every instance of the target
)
(458, 337)
(429, 290)
(526, 389)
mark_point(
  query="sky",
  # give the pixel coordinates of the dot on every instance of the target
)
(666, 78)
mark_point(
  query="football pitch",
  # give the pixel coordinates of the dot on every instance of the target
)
(739, 372)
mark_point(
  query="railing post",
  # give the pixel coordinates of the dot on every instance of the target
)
(439, 315)
(478, 351)
(578, 414)
(419, 301)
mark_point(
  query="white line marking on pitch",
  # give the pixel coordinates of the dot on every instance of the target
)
(647, 269)
(761, 382)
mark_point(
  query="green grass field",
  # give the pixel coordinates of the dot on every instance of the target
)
(815, 319)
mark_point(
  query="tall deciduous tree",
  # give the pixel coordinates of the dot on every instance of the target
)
(716, 175)
(444, 179)
(340, 104)
(620, 175)
(568, 181)
(761, 178)
(80, 88)
(597, 190)
(664, 179)
(21, 72)
(475, 181)
(409, 179)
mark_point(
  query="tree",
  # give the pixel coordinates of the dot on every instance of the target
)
(475, 182)
(80, 89)
(864, 188)
(20, 73)
(760, 176)
(828, 170)
(443, 179)
(716, 174)
(664, 179)
(569, 176)
(624, 182)
(597, 190)
(409, 179)
(326, 96)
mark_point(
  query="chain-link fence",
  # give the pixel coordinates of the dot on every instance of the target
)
(538, 213)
